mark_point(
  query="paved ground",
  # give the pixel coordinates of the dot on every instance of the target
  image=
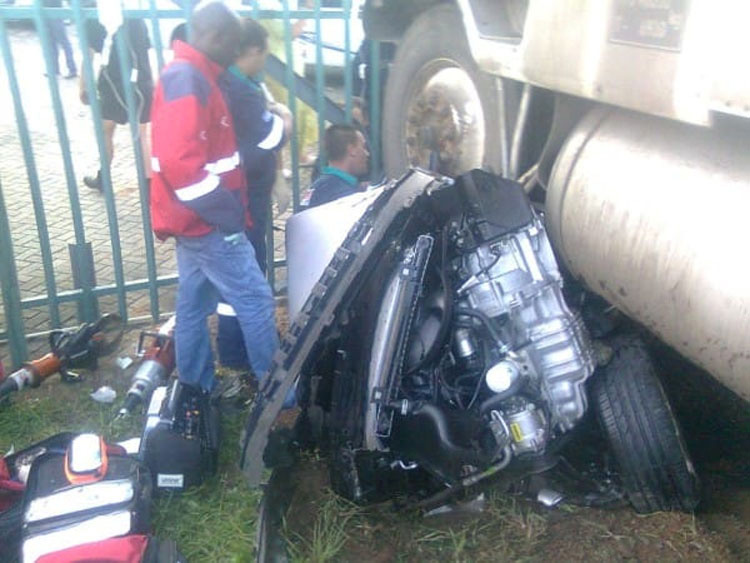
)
(15, 185)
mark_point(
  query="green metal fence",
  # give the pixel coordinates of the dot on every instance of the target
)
(85, 247)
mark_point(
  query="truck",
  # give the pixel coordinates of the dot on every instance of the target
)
(556, 164)
(628, 119)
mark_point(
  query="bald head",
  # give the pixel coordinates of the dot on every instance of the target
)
(216, 32)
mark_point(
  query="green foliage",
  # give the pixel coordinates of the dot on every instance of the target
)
(329, 533)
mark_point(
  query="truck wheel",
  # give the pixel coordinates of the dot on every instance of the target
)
(440, 111)
(645, 437)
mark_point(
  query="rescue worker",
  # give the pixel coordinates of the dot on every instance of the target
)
(198, 196)
(262, 128)
(346, 148)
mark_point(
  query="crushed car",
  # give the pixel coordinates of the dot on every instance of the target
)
(443, 344)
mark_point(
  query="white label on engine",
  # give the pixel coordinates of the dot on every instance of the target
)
(170, 481)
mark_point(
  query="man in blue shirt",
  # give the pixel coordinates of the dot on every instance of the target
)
(261, 128)
(347, 153)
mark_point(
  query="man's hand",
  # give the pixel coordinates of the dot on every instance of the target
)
(283, 112)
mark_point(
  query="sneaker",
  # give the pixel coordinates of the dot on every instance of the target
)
(93, 182)
(71, 75)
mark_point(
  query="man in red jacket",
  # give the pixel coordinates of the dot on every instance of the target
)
(198, 196)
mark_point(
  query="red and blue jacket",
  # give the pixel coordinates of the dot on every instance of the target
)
(198, 184)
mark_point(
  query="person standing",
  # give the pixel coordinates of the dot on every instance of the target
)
(262, 128)
(111, 89)
(198, 196)
(59, 38)
(346, 148)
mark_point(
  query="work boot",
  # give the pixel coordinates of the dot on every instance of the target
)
(94, 182)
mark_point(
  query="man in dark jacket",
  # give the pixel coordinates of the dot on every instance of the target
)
(198, 195)
(261, 128)
(347, 161)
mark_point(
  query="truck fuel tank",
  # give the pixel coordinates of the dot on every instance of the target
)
(654, 216)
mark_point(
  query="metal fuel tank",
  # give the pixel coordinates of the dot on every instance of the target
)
(654, 216)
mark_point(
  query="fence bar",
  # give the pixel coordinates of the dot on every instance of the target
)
(106, 177)
(270, 248)
(109, 289)
(16, 13)
(9, 283)
(319, 84)
(347, 61)
(156, 32)
(87, 304)
(135, 133)
(292, 102)
(187, 11)
(31, 172)
(375, 111)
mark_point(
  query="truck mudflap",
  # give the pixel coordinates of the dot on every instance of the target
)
(338, 284)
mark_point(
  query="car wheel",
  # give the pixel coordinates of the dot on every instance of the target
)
(634, 413)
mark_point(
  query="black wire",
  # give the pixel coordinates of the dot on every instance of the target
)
(484, 319)
(485, 361)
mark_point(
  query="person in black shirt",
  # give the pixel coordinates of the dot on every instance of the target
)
(59, 38)
(110, 88)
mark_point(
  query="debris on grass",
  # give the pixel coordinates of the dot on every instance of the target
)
(124, 362)
(105, 394)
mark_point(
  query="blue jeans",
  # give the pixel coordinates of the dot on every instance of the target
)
(60, 39)
(229, 333)
(210, 266)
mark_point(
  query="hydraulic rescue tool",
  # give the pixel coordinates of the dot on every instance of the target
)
(69, 349)
(158, 362)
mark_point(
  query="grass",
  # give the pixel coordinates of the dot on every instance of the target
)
(328, 534)
(214, 522)
(507, 528)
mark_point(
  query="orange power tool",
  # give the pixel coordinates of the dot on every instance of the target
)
(70, 349)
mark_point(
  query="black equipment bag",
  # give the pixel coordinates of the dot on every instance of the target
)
(180, 440)
(14, 472)
(61, 512)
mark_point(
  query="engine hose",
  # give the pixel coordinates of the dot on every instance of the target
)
(467, 482)
(484, 319)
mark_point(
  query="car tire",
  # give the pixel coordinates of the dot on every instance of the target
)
(645, 437)
(435, 40)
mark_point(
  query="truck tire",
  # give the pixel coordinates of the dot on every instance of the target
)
(634, 412)
(414, 112)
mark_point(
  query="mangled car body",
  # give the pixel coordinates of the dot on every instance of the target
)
(441, 346)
